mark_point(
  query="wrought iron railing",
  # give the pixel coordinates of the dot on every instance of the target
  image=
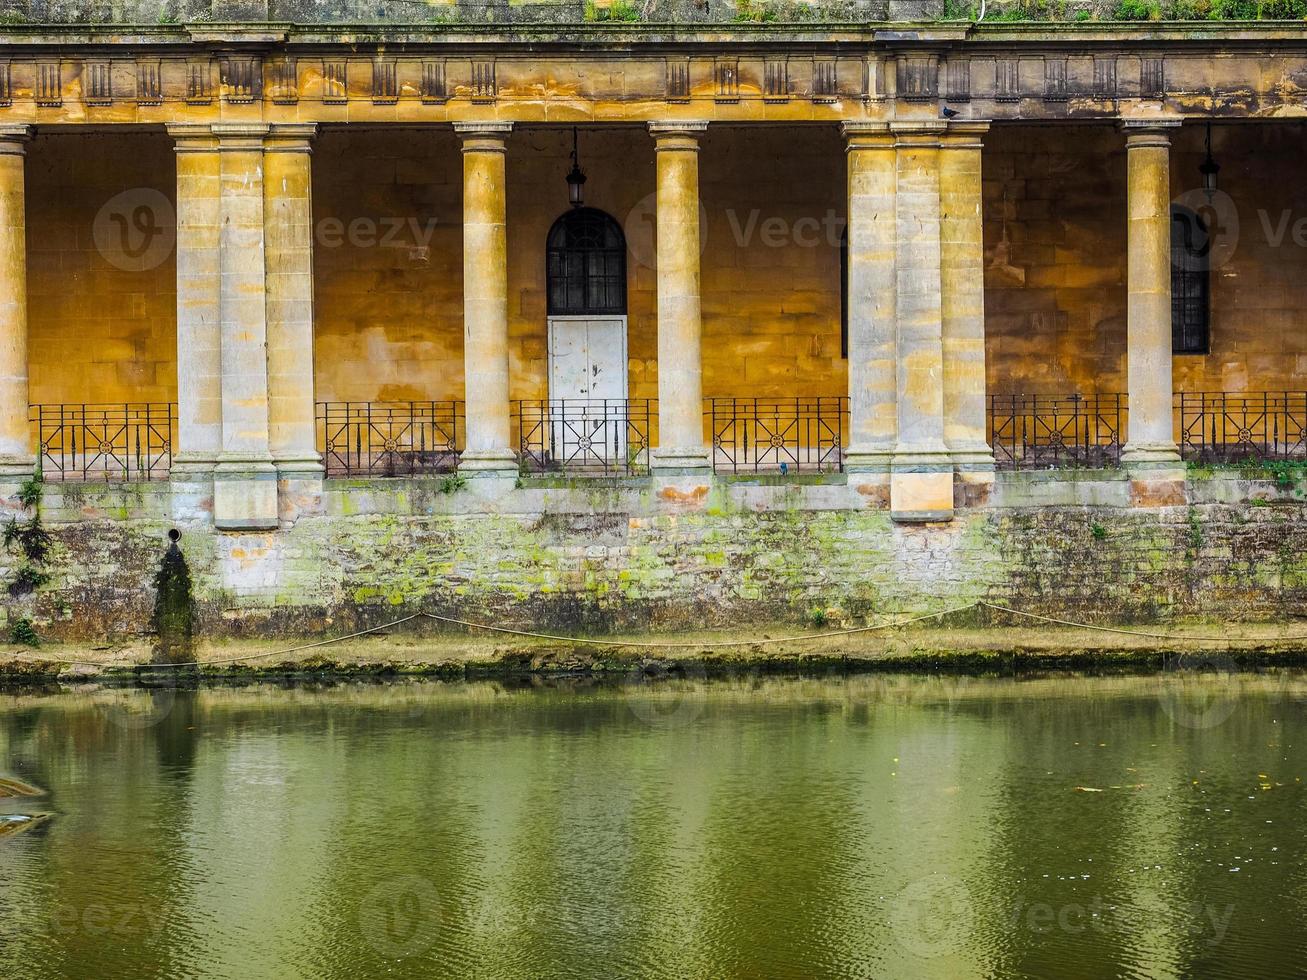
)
(390, 438)
(779, 435)
(1218, 427)
(128, 441)
(1050, 431)
(585, 436)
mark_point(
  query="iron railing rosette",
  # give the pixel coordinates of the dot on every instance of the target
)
(1054, 431)
(125, 441)
(778, 435)
(366, 439)
(1236, 427)
(595, 436)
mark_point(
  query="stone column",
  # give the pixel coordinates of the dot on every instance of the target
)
(681, 449)
(245, 480)
(872, 233)
(16, 457)
(962, 281)
(1151, 438)
(199, 348)
(921, 480)
(288, 218)
(488, 446)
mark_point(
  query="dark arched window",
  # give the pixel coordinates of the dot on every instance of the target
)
(1190, 283)
(586, 264)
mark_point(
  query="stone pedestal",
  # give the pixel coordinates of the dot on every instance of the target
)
(16, 457)
(1151, 434)
(681, 449)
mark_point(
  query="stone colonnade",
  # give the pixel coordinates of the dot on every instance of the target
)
(915, 309)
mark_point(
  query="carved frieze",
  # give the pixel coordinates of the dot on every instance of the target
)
(434, 91)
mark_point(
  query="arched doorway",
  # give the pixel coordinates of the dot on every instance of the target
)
(586, 272)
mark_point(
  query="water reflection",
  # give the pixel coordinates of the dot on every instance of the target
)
(822, 827)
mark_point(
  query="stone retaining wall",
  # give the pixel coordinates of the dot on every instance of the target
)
(637, 555)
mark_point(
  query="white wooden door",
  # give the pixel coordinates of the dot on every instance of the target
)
(587, 388)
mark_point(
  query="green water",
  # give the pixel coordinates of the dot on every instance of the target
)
(843, 827)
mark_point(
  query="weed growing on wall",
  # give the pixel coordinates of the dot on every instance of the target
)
(31, 541)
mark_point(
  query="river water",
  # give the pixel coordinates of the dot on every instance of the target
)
(874, 826)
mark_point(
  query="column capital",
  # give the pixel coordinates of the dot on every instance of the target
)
(290, 138)
(1154, 131)
(918, 132)
(240, 137)
(682, 135)
(866, 135)
(192, 137)
(14, 137)
(963, 135)
(677, 127)
(483, 137)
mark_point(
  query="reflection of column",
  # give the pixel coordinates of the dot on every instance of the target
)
(16, 457)
(921, 482)
(962, 281)
(245, 481)
(681, 447)
(288, 217)
(199, 358)
(871, 326)
(485, 299)
(1148, 302)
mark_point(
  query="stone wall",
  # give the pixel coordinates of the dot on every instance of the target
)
(640, 556)
(101, 297)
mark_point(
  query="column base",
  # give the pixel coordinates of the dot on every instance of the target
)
(189, 466)
(867, 459)
(17, 465)
(972, 458)
(681, 461)
(1157, 476)
(921, 486)
(1162, 455)
(479, 463)
(299, 467)
(245, 495)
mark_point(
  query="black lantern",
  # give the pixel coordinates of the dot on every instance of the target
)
(575, 178)
(1210, 168)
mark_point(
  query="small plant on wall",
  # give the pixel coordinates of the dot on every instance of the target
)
(27, 538)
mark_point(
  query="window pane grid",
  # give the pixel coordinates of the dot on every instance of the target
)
(586, 265)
